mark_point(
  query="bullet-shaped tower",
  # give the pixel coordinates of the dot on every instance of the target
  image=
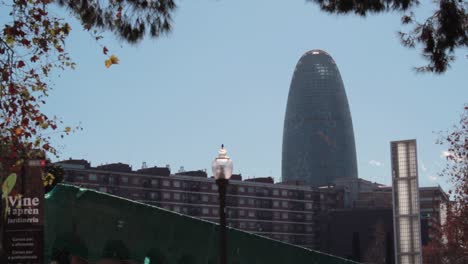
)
(318, 137)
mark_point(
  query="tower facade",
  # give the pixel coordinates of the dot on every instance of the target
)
(318, 137)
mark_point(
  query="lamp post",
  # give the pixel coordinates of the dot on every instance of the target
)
(222, 171)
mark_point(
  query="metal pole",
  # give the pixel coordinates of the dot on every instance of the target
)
(222, 184)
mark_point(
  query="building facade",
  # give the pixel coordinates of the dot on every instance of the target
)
(279, 211)
(365, 220)
(406, 212)
(318, 137)
(325, 218)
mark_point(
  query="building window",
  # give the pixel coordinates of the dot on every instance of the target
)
(275, 203)
(166, 195)
(242, 225)
(153, 195)
(194, 198)
(205, 198)
(250, 189)
(241, 212)
(79, 178)
(135, 180)
(214, 187)
(308, 216)
(215, 211)
(124, 179)
(205, 211)
(251, 213)
(284, 193)
(276, 215)
(111, 180)
(251, 202)
(166, 183)
(176, 196)
(275, 192)
(308, 205)
(241, 201)
(102, 189)
(241, 189)
(177, 208)
(251, 225)
(154, 182)
(176, 184)
(284, 216)
(92, 177)
(284, 204)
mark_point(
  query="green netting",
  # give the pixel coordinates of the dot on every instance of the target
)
(95, 226)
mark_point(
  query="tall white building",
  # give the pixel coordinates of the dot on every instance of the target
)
(406, 211)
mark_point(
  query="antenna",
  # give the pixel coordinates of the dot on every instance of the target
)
(144, 166)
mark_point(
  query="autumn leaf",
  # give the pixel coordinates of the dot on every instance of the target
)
(105, 50)
(67, 129)
(119, 12)
(48, 179)
(10, 40)
(112, 60)
(25, 42)
(18, 131)
(20, 64)
(108, 63)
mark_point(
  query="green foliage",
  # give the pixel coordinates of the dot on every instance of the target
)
(439, 35)
(128, 19)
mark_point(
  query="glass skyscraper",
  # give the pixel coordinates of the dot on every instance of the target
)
(318, 137)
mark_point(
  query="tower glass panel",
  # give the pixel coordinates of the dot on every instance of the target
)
(318, 137)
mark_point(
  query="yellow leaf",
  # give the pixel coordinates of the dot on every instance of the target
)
(108, 63)
(10, 40)
(67, 129)
(112, 60)
(18, 131)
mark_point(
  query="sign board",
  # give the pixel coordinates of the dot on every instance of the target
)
(23, 217)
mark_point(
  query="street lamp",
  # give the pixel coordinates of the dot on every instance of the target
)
(222, 172)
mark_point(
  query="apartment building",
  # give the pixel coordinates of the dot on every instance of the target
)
(280, 211)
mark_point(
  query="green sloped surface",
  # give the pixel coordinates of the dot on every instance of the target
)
(95, 225)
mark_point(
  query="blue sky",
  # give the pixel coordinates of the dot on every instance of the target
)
(222, 76)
